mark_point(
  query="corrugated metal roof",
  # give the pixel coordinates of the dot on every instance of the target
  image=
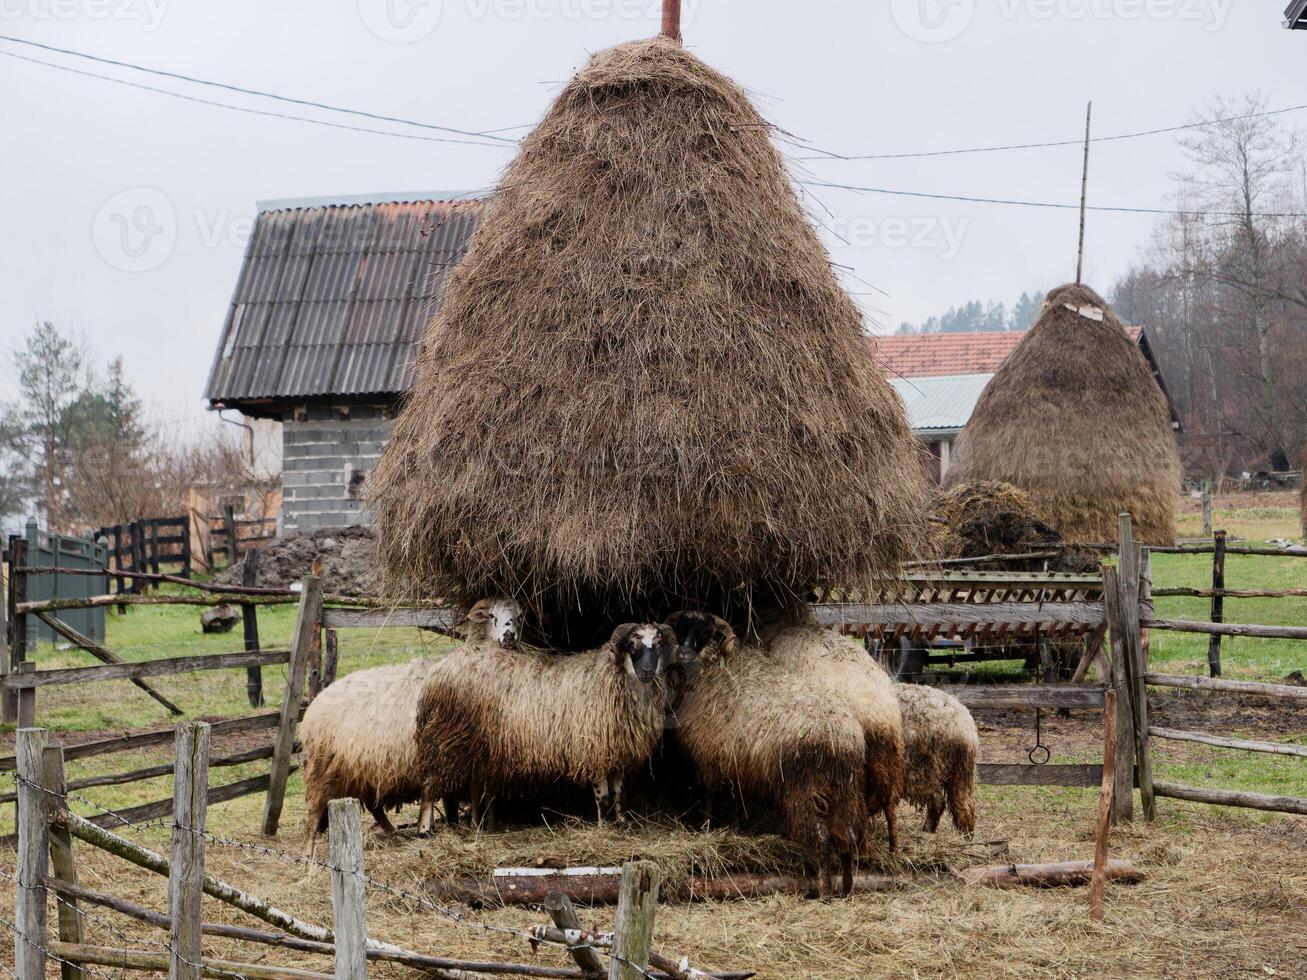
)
(1295, 15)
(332, 299)
(940, 404)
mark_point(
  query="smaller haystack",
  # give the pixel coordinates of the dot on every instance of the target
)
(1075, 418)
(972, 520)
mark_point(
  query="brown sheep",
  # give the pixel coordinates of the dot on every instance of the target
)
(748, 720)
(845, 672)
(940, 745)
(358, 734)
(495, 720)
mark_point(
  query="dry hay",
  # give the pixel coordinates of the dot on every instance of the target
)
(645, 382)
(988, 517)
(1225, 896)
(1075, 418)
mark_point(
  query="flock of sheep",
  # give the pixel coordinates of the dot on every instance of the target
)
(803, 719)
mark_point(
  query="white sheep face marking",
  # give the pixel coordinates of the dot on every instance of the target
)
(502, 626)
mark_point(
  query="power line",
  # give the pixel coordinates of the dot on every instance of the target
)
(247, 109)
(831, 155)
(249, 91)
(1048, 204)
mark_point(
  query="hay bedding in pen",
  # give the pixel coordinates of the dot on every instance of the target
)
(645, 386)
(1075, 418)
(1225, 896)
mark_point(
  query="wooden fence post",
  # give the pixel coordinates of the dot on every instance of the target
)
(633, 935)
(1098, 880)
(560, 909)
(186, 871)
(26, 696)
(250, 624)
(18, 622)
(186, 546)
(331, 658)
(348, 898)
(62, 865)
(1218, 601)
(1123, 792)
(33, 856)
(1132, 634)
(8, 705)
(229, 522)
(1207, 508)
(307, 622)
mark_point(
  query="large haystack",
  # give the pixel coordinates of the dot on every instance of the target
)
(1075, 418)
(645, 385)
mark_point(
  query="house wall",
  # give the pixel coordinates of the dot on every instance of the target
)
(327, 453)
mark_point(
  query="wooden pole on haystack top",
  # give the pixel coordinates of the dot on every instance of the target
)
(1084, 198)
(672, 19)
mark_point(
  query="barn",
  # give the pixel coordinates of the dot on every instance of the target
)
(319, 340)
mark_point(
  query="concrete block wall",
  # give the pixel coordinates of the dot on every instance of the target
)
(327, 453)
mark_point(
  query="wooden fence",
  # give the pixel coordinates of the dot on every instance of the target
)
(46, 866)
(150, 545)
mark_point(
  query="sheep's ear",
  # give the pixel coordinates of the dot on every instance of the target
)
(479, 613)
(668, 636)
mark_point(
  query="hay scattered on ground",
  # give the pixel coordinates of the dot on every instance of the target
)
(1225, 896)
(1075, 418)
(645, 382)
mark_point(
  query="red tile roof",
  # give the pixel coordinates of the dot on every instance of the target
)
(931, 355)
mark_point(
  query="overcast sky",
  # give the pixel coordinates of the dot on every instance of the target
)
(83, 160)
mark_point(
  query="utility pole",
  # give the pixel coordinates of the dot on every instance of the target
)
(1084, 198)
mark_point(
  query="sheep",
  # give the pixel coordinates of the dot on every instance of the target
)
(749, 720)
(496, 720)
(846, 673)
(358, 734)
(940, 746)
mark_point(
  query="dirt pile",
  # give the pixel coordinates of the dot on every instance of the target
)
(346, 554)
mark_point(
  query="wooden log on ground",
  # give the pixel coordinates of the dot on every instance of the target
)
(603, 889)
(144, 668)
(103, 654)
(1060, 875)
(560, 909)
(1287, 691)
(583, 943)
(1245, 745)
(1229, 797)
(135, 959)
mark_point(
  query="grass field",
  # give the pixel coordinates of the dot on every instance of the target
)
(1226, 893)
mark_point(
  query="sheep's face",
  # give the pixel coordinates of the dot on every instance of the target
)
(499, 619)
(700, 637)
(642, 651)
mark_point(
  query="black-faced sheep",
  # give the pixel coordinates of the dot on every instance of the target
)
(748, 719)
(844, 671)
(358, 734)
(502, 721)
(940, 744)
